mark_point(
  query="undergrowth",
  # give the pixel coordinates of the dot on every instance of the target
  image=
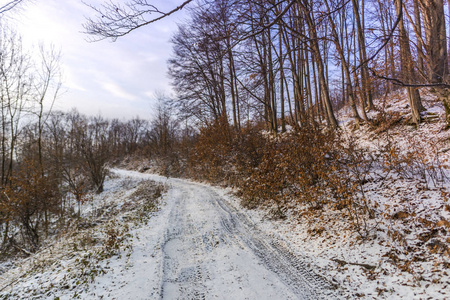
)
(90, 242)
(312, 170)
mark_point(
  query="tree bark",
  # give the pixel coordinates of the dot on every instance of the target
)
(436, 47)
(323, 86)
(407, 68)
(367, 90)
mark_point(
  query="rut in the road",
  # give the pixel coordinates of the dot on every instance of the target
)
(209, 243)
(280, 260)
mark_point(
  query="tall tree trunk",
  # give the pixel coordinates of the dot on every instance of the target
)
(308, 84)
(272, 90)
(314, 41)
(281, 59)
(407, 68)
(233, 87)
(317, 97)
(419, 36)
(345, 66)
(434, 24)
(294, 71)
(363, 56)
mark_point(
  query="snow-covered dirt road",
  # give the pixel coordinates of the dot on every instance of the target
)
(207, 249)
(198, 245)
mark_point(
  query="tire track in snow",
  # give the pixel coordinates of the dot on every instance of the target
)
(207, 236)
(181, 245)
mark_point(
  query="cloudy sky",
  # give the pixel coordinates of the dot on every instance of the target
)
(117, 79)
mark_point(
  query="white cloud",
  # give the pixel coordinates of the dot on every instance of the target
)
(149, 94)
(117, 91)
(70, 81)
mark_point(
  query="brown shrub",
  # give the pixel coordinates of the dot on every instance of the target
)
(30, 198)
(211, 153)
(294, 166)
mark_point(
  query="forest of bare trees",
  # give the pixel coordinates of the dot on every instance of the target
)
(56, 165)
(294, 61)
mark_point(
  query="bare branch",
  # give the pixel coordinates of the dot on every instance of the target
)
(9, 6)
(398, 82)
(266, 26)
(114, 20)
(386, 41)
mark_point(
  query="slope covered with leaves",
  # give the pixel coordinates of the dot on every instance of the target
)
(399, 245)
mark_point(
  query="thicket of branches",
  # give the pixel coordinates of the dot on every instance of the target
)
(290, 61)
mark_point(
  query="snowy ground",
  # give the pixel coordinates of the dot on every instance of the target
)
(407, 253)
(198, 246)
(91, 247)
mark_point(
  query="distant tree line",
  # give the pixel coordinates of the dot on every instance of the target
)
(57, 164)
(50, 161)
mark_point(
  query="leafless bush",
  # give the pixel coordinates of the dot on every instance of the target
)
(412, 163)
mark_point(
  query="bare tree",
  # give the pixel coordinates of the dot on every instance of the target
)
(407, 68)
(436, 39)
(15, 91)
(94, 147)
(345, 67)
(197, 71)
(47, 86)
